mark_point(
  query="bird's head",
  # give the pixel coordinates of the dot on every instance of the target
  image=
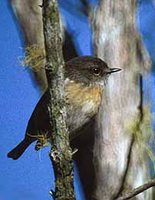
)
(88, 70)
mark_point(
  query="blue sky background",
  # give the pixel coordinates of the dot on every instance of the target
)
(30, 177)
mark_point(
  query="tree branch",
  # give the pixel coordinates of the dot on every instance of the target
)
(61, 154)
(137, 190)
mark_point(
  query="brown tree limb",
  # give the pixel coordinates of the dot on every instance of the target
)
(137, 190)
(61, 154)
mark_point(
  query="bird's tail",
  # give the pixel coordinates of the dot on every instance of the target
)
(20, 148)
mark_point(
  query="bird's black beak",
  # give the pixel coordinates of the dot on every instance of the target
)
(113, 70)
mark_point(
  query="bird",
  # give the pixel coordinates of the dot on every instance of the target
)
(85, 78)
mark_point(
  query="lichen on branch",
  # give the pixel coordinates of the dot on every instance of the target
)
(61, 154)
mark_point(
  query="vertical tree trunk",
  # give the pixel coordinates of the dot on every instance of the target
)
(120, 162)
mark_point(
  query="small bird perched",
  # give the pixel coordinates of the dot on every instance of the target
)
(84, 80)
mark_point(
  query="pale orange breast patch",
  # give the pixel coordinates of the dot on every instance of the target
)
(88, 98)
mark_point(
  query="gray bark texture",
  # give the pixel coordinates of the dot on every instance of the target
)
(120, 161)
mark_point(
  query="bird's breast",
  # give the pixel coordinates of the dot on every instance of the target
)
(82, 103)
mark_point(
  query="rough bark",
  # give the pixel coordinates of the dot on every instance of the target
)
(61, 153)
(117, 153)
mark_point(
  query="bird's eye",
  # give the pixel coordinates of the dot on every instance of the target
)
(96, 71)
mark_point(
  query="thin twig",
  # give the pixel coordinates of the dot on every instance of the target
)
(137, 190)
